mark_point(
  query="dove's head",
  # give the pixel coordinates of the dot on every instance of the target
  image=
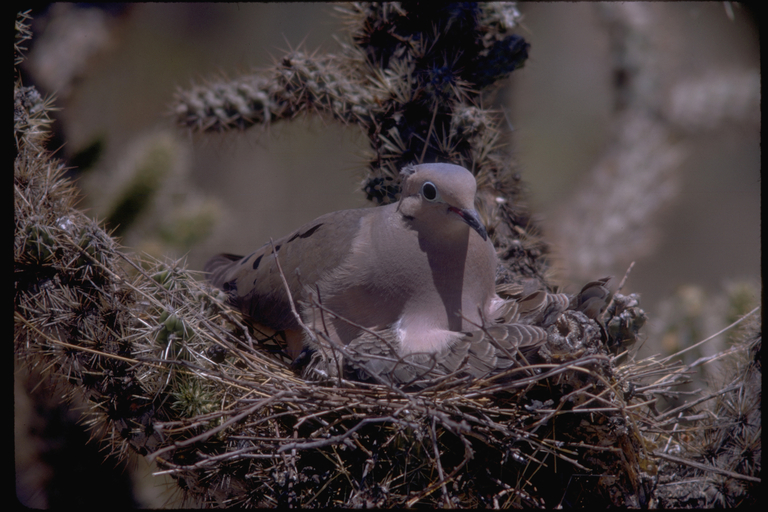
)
(432, 190)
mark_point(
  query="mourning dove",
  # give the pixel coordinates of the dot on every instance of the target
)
(410, 282)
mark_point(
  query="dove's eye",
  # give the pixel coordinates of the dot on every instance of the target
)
(429, 191)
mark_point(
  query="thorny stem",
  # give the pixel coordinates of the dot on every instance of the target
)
(718, 333)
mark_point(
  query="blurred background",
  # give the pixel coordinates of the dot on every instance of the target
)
(114, 69)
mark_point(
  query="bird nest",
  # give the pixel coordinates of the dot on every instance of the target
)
(539, 435)
(461, 442)
(172, 373)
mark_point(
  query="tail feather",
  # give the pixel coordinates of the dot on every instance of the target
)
(217, 268)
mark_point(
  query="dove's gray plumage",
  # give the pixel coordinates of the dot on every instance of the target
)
(418, 274)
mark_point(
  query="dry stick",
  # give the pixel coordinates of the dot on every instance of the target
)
(290, 296)
(621, 406)
(688, 405)
(525, 366)
(468, 454)
(207, 434)
(342, 437)
(613, 297)
(552, 370)
(209, 460)
(714, 357)
(200, 372)
(650, 368)
(704, 467)
(213, 328)
(399, 359)
(494, 341)
(339, 364)
(734, 324)
(378, 336)
(671, 436)
(234, 320)
(555, 450)
(188, 423)
(343, 349)
(440, 473)
(517, 492)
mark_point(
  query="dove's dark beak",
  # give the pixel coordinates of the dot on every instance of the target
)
(473, 219)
